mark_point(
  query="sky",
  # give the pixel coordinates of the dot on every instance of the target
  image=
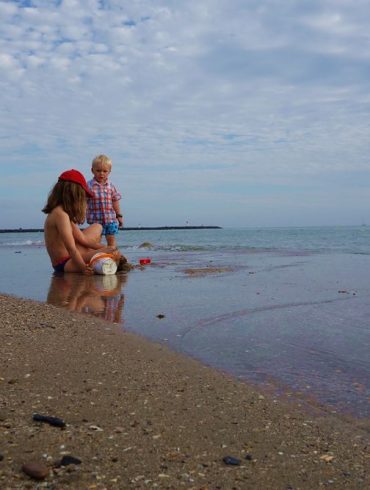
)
(234, 113)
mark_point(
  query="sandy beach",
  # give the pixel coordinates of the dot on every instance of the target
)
(140, 416)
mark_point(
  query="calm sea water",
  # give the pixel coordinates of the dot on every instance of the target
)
(344, 239)
(287, 308)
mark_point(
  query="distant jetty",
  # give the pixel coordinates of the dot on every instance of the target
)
(138, 228)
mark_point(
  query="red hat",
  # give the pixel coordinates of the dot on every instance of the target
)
(77, 177)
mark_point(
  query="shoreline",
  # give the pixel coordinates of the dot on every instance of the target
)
(141, 416)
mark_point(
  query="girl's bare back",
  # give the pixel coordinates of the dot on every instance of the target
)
(56, 221)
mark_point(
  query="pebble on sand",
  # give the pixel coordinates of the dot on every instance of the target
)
(68, 459)
(36, 470)
(231, 460)
(55, 421)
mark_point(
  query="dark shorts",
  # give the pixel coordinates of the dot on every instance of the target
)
(110, 228)
(59, 267)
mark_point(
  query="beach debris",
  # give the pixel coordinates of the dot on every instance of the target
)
(202, 271)
(1, 457)
(145, 261)
(327, 458)
(96, 428)
(119, 430)
(36, 470)
(248, 457)
(231, 460)
(160, 316)
(67, 460)
(55, 421)
(123, 264)
(146, 245)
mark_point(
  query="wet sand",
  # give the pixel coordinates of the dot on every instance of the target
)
(139, 416)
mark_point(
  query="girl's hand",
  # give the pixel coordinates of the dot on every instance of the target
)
(88, 271)
(111, 250)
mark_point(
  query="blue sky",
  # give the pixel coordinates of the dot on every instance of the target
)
(227, 112)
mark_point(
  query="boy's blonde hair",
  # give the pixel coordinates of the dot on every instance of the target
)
(101, 159)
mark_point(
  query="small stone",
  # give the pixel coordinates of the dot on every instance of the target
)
(327, 458)
(1, 457)
(68, 459)
(231, 460)
(35, 470)
(248, 457)
(55, 421)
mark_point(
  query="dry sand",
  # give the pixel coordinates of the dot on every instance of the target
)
(140, 416)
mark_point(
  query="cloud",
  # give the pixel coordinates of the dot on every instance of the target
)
(213, 91)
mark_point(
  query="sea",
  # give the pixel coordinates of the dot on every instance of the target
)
(285, 309)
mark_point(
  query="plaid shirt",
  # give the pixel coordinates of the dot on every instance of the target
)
(100, 207)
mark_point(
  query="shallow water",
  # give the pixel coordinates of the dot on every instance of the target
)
(289, 309)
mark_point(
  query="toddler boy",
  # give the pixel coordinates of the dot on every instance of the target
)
(104, 207)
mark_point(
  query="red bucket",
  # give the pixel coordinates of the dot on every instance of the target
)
(144, 261)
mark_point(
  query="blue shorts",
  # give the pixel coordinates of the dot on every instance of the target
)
(110, 229)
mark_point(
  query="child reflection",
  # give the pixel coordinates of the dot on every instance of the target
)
(95, 295)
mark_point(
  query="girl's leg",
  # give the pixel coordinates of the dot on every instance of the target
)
(93, 232)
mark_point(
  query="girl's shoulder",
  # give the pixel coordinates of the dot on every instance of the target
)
(58, 209)
(58, 212)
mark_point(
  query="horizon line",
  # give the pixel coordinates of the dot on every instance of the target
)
(128, 228)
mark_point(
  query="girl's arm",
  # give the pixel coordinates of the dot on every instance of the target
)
(65, 229)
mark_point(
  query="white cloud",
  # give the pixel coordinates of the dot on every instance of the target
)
(259, 91)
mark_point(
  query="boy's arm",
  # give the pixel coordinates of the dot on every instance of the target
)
(66, 233)
(81, 239)
(119, 216)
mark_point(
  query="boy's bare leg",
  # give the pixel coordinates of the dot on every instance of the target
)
(111, 241)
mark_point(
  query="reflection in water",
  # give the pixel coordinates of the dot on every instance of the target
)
(96, 295)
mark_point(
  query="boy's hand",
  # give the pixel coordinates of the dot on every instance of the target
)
(120, 221)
